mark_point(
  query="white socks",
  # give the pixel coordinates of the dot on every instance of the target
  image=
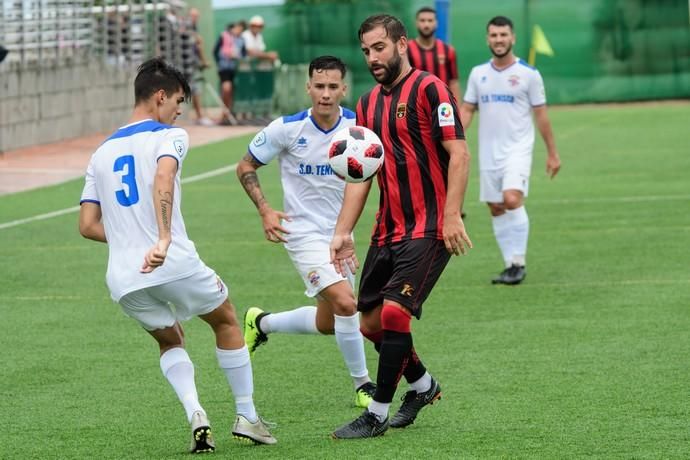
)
(238, 370)
(379, 409)
(422, 384)
(519, 234)
(351, 345)
(512, 231)
(298, 321)
(179, 370)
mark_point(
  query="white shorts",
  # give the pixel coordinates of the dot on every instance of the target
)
(493, 183)
(313, 262)
(158, 307)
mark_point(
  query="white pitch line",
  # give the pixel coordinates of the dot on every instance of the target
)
(49, 215)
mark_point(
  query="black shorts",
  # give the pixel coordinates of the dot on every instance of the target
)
(404, 272)
(226, 75)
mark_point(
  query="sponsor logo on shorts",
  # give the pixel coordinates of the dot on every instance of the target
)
(221, 286)
(407, 290)
(313, 278)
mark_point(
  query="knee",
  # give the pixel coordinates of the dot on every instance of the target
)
(512, 200)
(345, 305)
(396, 319)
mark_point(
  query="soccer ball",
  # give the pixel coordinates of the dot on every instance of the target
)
(355, 154)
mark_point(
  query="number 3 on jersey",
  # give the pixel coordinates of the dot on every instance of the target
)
(130, 194)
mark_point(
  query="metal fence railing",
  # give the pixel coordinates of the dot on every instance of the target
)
(118, 32)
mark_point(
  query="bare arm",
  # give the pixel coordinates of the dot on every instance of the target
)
(553, 160)
(270, 218)
(90, 224)
(466, 113)
(163, 195)
(342, 246)
(454, 235)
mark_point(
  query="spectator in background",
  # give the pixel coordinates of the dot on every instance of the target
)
(428, 53)
(254, 41)
(198, 65)
(229, 49)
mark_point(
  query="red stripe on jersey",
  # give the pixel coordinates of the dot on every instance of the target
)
(414, 54)
(452, 64)
(440, 49)
(412, 162)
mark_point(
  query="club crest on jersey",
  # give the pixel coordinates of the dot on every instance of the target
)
(441, 59)
(259, 139)
(313, 278)
(179, 147)
(401, 110)
(446, 117)
(483, 80)
(302, 142)
(514, 80)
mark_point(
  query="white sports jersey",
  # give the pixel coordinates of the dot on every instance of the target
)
(120, 179)
(505, 99)
(313, 194)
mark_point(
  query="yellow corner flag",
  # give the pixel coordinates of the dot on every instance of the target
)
(539, 45)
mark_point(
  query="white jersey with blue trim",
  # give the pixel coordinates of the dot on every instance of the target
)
(505, 99)
(313, 194)
(120, 179)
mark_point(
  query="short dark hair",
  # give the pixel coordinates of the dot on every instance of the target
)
(425, 9)
(327, 63)
(500, 21)
(156, 74)
(393, 26)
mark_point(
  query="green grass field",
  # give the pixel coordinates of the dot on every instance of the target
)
(589, 358)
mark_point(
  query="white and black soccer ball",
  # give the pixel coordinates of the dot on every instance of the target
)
(355, 154)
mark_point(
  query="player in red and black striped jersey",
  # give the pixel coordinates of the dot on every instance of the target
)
(426, 52)
(418, 225)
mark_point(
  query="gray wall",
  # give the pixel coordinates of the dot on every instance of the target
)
(50, 102)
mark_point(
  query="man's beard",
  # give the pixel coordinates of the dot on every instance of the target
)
(505, 53)
(392, 71)
(425, 35)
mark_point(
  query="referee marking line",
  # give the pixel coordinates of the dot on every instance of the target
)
(49, 215)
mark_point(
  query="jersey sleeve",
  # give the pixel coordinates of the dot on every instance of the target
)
(175, 143)
(90, 193)
(443, 111)
(268, 142)
(535, 90)
(471, 90)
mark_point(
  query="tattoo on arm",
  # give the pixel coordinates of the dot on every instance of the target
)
(250, 182)
(166, 205)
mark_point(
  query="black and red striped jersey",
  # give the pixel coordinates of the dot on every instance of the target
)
(412, 119)
(439, 60)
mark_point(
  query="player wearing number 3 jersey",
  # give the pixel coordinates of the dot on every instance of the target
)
(131, 201)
